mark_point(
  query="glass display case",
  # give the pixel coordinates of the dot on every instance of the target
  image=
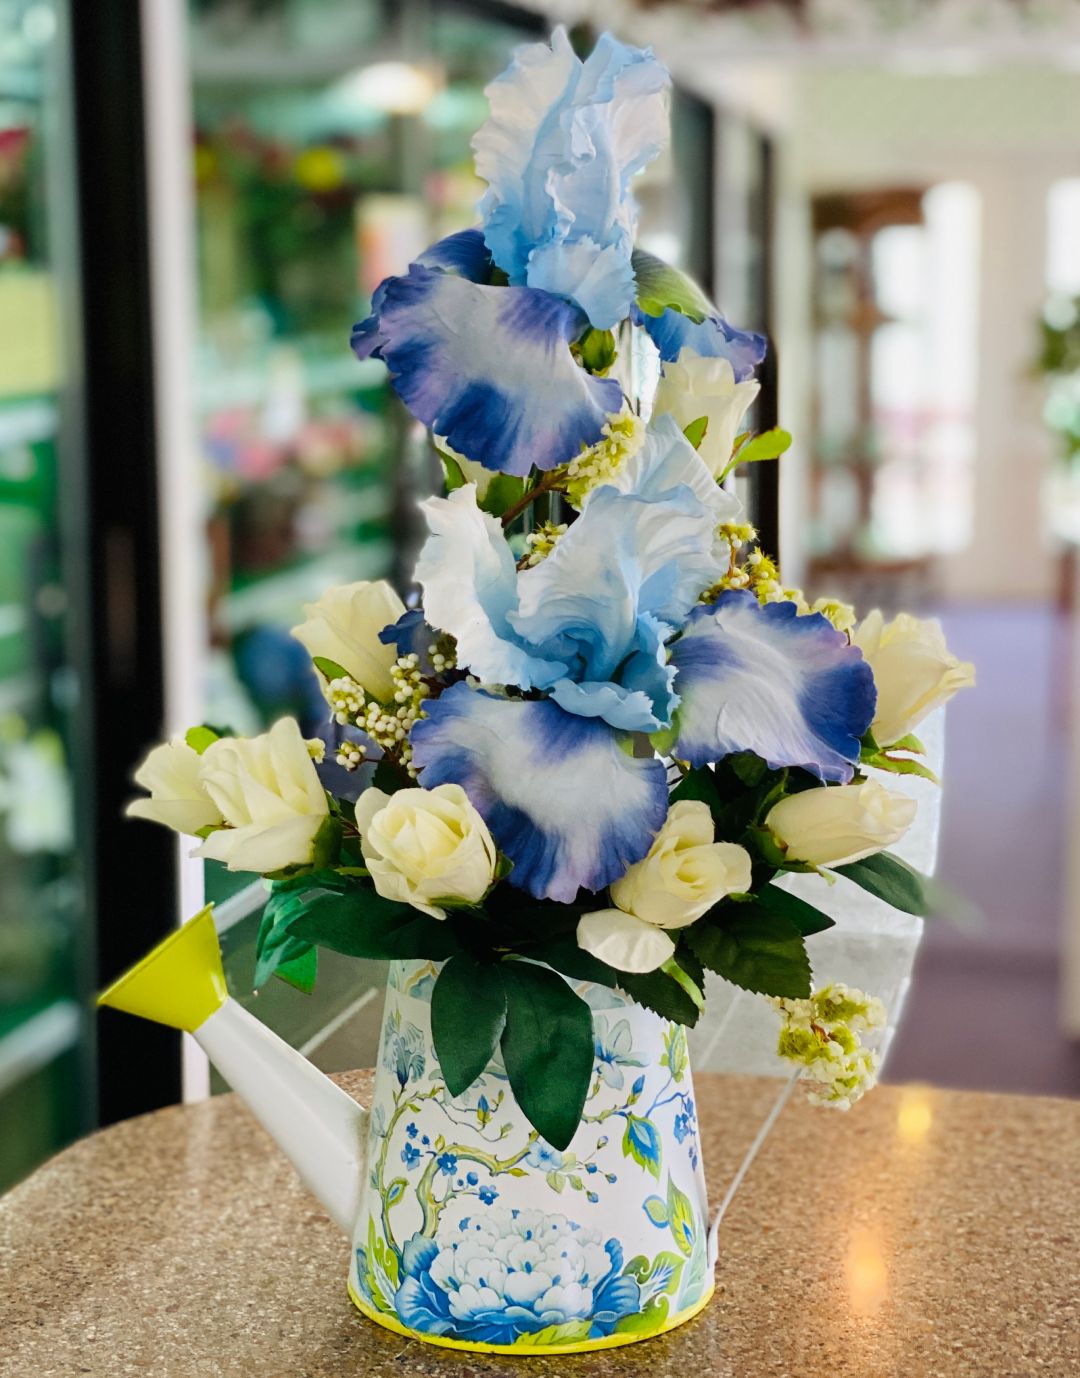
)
(45, 1082)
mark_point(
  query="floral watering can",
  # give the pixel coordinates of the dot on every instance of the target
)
(468, 1229)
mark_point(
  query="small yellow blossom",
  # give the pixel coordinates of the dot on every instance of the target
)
(823, 1035)
(624, 435)
(540, 543)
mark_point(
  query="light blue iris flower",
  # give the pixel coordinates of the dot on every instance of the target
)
(560, 148)
(610, 628)
(589, 623)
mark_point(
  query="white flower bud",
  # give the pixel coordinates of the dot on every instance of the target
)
(838, 824)
(913, 669)
(695, 387)
(344, 626)
(684, 874)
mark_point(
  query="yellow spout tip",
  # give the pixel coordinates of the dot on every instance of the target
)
(180, 982)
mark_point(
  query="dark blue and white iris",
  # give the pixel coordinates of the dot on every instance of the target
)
(760, 678)
(489, 368)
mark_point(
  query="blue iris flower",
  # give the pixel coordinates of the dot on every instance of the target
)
(560, 148)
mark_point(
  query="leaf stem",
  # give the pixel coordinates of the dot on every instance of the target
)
(547, 483)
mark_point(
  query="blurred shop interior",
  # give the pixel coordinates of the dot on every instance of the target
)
(197, 201)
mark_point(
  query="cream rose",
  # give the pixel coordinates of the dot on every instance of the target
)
(696, 387)
(269, 794)
(834, 825)
(426, 847)
(344, 626)
(684, 874)
(178, 797)
(915, 672)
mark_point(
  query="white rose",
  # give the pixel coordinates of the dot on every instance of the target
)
(914, 671)
(269, 793)
(696, 387)
(177, 795)
(344, 626)
(834, 825)
(684, 874)
(426, 847)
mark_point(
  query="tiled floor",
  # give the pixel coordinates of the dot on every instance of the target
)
(983, 1008)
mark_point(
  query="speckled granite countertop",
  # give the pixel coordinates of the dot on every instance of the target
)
(925, 1233)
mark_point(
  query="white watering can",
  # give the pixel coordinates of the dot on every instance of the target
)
(467, 1228)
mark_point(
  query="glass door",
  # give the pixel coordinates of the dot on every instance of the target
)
(46, 1083)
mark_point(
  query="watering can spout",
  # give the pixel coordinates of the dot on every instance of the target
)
(321, 1129)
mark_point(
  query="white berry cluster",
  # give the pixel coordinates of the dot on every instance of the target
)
(540, 543)
(823, 1034)
(442, 655)
(387, 725)
(624, 435)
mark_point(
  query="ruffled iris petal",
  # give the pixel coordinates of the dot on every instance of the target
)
(467, 572)
(563, 800)
(562, 143)
(712, 338)
(489, 368)
(763, 679)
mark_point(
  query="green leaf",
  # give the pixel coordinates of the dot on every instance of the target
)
(641, 1141)
(908, 743)
(806, 917)
(698, 784)
(568, 1332)
(679, 974)
(502, 492)
(566, 957)
(468, 1014)
(695, 432)
(199, 738)
(891, 880)
(275, 947)
(390, 778)
(329, 669)
(656, 1210)
(898, 765)
(767, 445)
(300, 971)
(756, 950)
(660, 287)
(455, 478)
(651, 1318)
(681, 1219)
(597, 350)
(748, 768)
(659, 993)
(363, 924)
(547, 1046)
